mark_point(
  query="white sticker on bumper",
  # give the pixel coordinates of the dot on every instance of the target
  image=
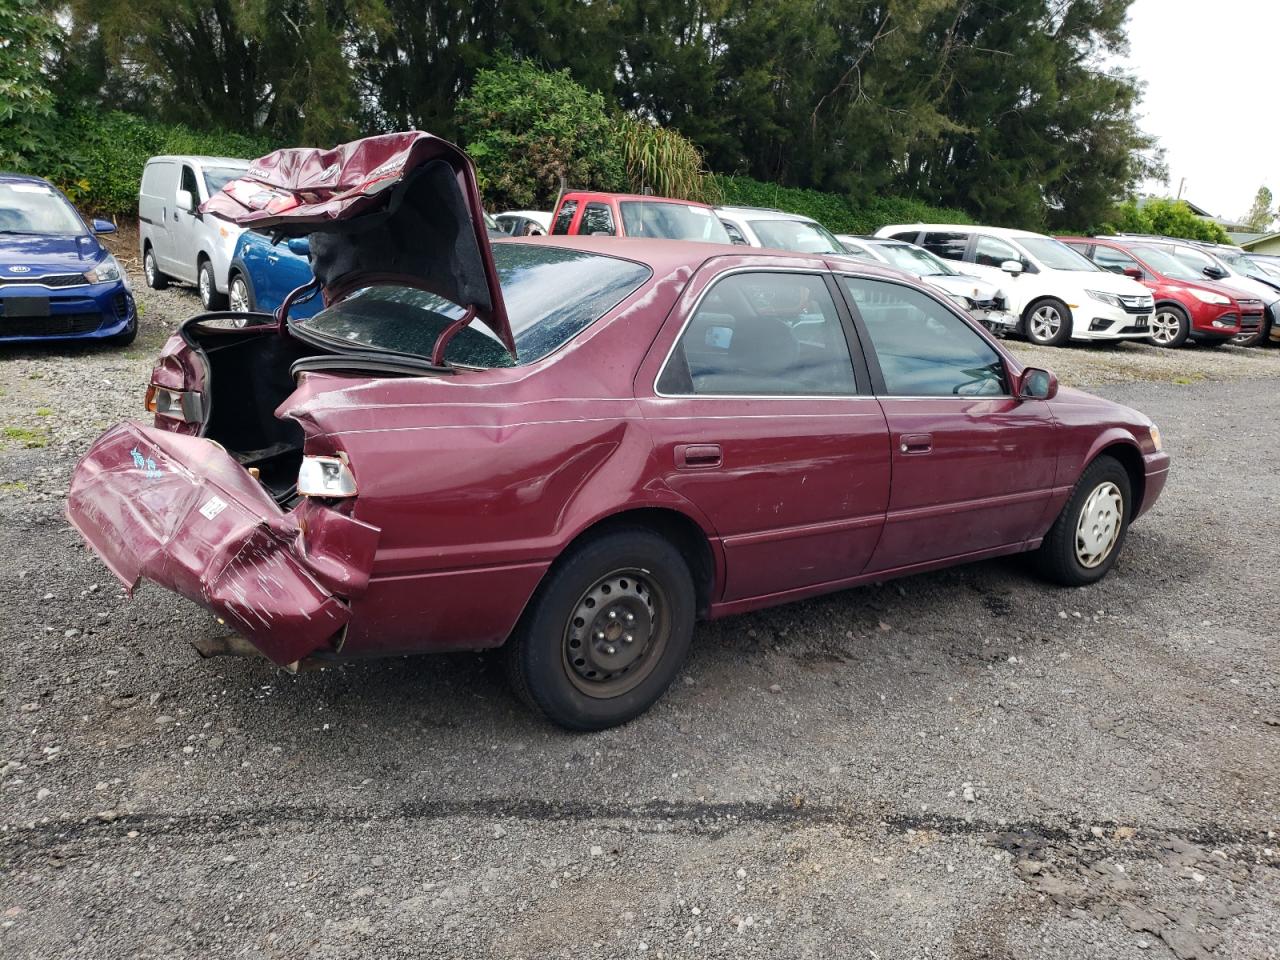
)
(214, 507)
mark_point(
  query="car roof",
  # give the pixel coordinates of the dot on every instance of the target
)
(1007, 232)
(643, 198)
(764, 213)
(23, 178)
(202, 160)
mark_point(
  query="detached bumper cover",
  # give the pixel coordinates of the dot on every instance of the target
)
(183, 513)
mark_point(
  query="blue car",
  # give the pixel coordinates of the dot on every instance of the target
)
(264, 273)
(57, 281)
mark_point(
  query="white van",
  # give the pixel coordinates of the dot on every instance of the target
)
(1057, 293)
(177, 241)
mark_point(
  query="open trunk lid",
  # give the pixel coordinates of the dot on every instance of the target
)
(401, 208)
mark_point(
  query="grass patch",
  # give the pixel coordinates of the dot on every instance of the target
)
(13, 486)
(44, 411)
(31, 439)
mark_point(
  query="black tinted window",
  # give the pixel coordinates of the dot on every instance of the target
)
(552, 294)
(189, 183)
(565, 216)
(924, 350)
(948, 246)
(762, 334)
(597, 218)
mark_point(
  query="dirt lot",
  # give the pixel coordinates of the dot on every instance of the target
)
(963, 764)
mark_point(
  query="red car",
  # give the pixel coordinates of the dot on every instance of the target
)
(575, 446)
(1187, 305)
(584, 213)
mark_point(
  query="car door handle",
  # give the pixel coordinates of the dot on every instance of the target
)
(698, 456)
(914, 443)
(272, 257)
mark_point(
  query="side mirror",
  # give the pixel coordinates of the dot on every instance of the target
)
(1013, 267)
(300, 246)
(1214, 273)
(1035, 383)
(1133, 272)
(185, 201)
(103, 226)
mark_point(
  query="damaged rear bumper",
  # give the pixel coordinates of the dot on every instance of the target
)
(181, 512)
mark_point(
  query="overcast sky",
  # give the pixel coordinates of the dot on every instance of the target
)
(1210, 70)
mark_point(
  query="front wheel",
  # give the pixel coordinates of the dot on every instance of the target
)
(210, 298)
(1083, 543)
(606, 632)
(1170, 326)
(1048, 322)
(239, 298)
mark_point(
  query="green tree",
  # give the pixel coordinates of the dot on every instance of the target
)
(1260, 215)
(1165, 217)
(28, 37)
(529, 130)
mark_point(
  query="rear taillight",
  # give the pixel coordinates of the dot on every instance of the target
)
(184, 405)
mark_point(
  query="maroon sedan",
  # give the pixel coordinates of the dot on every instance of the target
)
(579, 446)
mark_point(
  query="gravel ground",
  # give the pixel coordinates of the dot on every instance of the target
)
(962, 764)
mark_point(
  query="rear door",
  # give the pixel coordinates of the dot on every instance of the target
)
(155, 200)
(973, 466)
(762, 420)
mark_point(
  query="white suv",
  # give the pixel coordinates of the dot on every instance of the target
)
(1057, 293)
(177, 241)
(762, 227)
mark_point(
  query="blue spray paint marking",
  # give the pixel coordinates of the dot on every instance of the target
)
(145, 464)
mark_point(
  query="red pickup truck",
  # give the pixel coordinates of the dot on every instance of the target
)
(587, 213)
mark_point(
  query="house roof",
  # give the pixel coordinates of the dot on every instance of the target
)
(1259, 239)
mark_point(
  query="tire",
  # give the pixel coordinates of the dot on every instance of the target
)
(1213, 342)
(1170, 325)
(151, 272)
(1047, 322)
(1258, 337)
(1076, 553)
(210, 298)
(575, 629)
(239, 293)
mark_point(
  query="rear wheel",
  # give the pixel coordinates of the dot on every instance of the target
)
(210, 298)
(1170, 326)
(1048, 322)
(1083, 543)
(606, 632)
(155, 279)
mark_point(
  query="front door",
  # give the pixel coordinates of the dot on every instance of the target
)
(182, 225)
(973, 466)
(759, 420)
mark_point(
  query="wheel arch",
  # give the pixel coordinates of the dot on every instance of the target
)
(1130, 457)
(238, 268)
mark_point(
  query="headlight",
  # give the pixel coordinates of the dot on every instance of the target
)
(326, 477)
(1204, 296)
(1107, 298)
(1155, 438)
(106, 271)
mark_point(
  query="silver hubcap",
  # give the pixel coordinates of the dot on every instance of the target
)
(1165, 327)
(1045, 323)
(1098, 528)
(206, 287)
(239, 296)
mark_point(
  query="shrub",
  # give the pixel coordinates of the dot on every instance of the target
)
(1165, 217)
(660, 160)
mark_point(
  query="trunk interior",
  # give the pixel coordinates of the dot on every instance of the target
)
(248, 378)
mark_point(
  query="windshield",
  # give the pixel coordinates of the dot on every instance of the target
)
(797, 235)
(1165, 263)
(36, 208)
(1056, 255)
(1242, 264)
(674, 221)
(1270, 266)
(552, 294)
(215, 178)
(915, 260)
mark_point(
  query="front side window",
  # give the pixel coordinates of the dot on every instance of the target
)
(597, 219)
(1198, 261)
(924, 349)
(735, 235)
(1056, 255)
(796, 235)
(565, 217)
(552, 294)
(948, 246)
(1167, 264)
(1114, 260)
(762, 334)
(189, 183)
(671, 221)
(992, 252)
(28, 207)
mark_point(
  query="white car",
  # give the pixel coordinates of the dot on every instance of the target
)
(176, 241)
(763, 227)
(984, 301)
(524, 223)
(1057, 293)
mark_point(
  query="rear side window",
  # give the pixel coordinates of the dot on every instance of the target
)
(923, 348)
(948, 246)
(762, 334)
(597, 218)
(565, 216)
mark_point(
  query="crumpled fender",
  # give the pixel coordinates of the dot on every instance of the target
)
(180, 511)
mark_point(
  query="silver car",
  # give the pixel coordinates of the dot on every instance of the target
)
(983, 299)
(177, 242)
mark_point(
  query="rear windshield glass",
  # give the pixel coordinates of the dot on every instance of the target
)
(1056, 255)
(552, 294)
(672, 221)
(796, 235)
(215, 178)
(36, 208)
